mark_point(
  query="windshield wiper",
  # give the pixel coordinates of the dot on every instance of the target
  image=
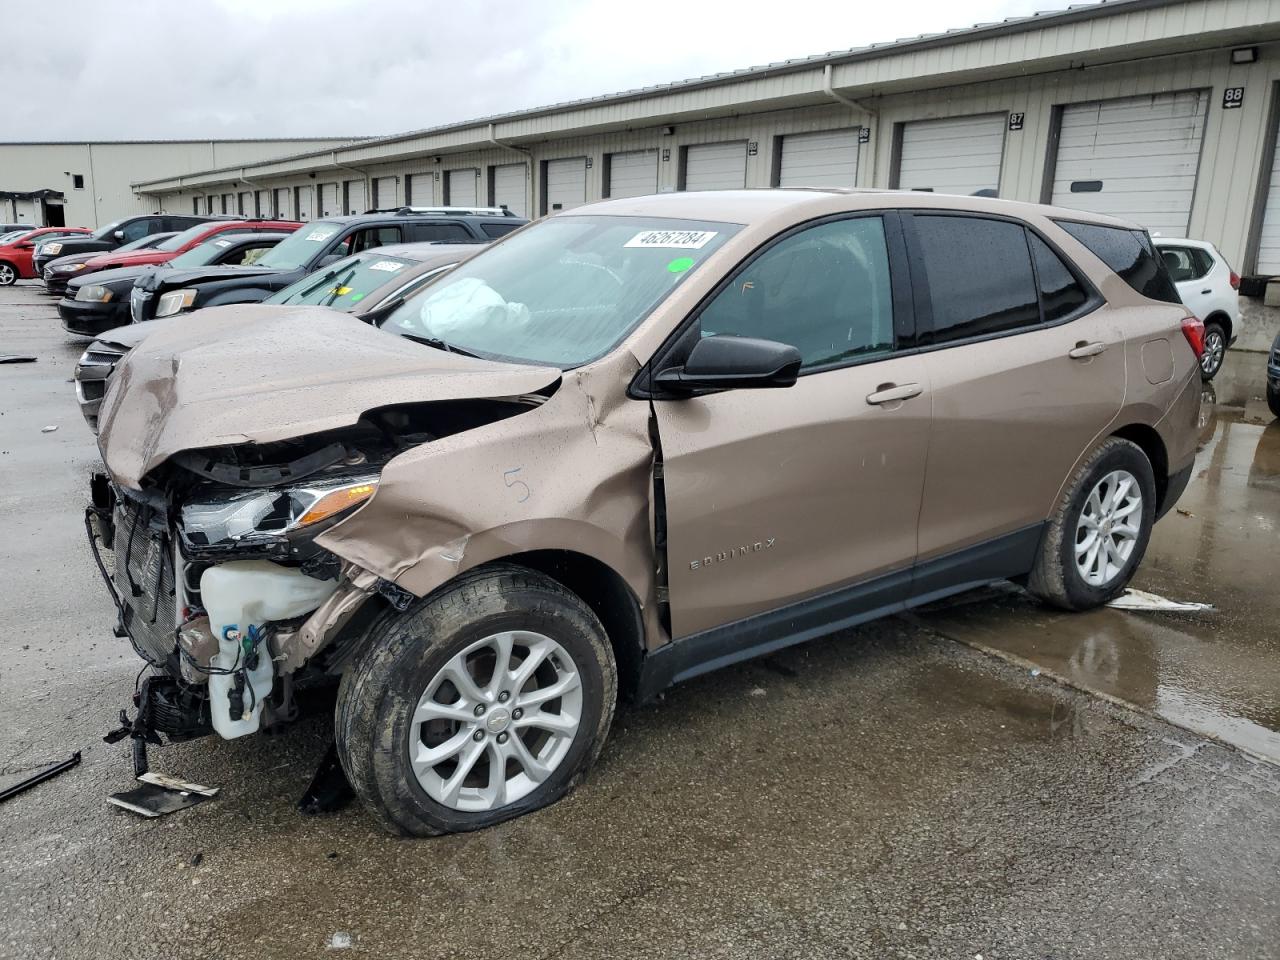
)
(337, 286)
(438, 344)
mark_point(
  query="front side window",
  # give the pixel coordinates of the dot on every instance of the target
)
(1130, 254)
(375, 237)
(565, 291)
(136, 229)
(824, 291)
(980, 279)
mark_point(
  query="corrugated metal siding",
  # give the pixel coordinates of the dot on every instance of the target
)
(1268, 258)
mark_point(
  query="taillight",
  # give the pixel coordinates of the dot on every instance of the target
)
(1193, 330)
(1235, 280)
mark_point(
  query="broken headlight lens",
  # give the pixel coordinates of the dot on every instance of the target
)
(93, 293)
(49, 249)
(175, 301)
(268, 513)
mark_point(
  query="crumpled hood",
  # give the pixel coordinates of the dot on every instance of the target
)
(260, 373)
(132, 258)
(173, 278)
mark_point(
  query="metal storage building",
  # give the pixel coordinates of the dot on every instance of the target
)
(1163, 111)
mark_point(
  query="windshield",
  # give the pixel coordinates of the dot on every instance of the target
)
(202, 254)
(345, 284)
(562, 292)
(10, 237)
(301, 246)
(103, 232)
(177, 241)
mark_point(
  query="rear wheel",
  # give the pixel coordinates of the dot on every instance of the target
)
(1097, 536)
(8, 275)
(487, 701)
(1215, 350)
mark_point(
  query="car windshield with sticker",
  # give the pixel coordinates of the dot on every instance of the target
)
(562, 292)
(344, 285)
(300, 246)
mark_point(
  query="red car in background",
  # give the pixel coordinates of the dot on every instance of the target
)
(178, 243)
(15, 256)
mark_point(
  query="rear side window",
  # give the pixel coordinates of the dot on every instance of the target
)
(1130, 254)
(1186, 263)
(980, 278)
(440, 232)
(498, 229)
(1060, 292)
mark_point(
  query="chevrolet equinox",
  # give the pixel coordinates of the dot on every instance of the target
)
(623, 446)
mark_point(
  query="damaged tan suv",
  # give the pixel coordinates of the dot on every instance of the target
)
(624, 446)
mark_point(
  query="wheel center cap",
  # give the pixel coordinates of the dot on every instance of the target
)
(498, 720)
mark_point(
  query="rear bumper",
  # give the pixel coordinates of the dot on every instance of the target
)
(88, 319)
(1177, 485)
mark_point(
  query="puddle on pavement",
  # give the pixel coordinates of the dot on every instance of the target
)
(1216, 673)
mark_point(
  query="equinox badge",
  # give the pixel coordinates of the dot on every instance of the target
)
(732, 553)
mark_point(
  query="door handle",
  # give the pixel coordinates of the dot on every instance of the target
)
(1207, 290)
(1082, 350)
(892, 392)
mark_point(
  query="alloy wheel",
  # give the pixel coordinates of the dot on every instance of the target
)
(1214, 349)
(496, 721)
(1108, 528)
(7, 275)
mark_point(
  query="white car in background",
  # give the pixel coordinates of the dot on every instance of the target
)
(1208, 286)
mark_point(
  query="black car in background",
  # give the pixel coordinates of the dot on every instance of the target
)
(1273, 377)
(100, 301)
(316, 245)
(113, 236)
(60, 272)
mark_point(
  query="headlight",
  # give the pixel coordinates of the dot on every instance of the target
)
(69, 267)
(272, 512)
(94, 293)
(175, 301)
(50, 248)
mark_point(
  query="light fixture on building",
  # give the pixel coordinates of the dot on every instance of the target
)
(668, 131)
(1244, 55)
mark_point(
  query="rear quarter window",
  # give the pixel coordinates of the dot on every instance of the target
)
(499, 229)
(1130, 254)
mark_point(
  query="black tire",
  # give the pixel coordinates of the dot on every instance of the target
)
(1215, 350)
(1273, 400)
(1055, 579)
(8, 274)
(403, 652)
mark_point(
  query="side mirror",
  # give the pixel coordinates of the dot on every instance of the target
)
(25, 245)
(328, 260)
(732, 363)
(119, 235)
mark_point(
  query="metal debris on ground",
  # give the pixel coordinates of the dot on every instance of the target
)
(161, 794)
(49, 429)
(45, 774)
(1141, 600)
(16, 358)
(1185, 513)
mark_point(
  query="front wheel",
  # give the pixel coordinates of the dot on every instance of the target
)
(1215, 350)
(1099, 531)
(487, 701)
(8, 275)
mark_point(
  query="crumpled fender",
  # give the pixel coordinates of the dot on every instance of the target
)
(573, 474)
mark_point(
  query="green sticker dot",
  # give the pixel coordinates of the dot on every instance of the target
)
(680, 264)
(357, 296)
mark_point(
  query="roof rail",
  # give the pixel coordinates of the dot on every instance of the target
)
(458, 211)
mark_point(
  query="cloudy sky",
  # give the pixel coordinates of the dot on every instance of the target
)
(88, 69)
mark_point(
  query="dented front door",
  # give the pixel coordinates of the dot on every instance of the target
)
(775, 495)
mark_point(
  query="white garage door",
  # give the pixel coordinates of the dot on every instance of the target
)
(460, 187)
(1269, 238)
(827, 159)
(354, 193)
(305, 197)
(329, 206)
(1134, 158)
(263, 208)
(246, 204)
(959, 155)
(509, 188)
(716, 166)
(566, 183)
(281, 208)
(384, 193)
(633, 174)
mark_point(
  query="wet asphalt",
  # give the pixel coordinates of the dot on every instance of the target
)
(985, 778)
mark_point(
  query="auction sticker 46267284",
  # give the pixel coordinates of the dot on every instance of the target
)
(672, 239)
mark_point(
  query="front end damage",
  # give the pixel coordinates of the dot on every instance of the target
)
(217, 578)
